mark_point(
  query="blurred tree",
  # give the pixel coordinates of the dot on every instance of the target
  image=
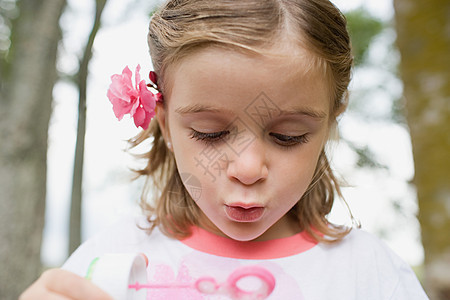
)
(423, 29)
(27, 66)
(81, 82)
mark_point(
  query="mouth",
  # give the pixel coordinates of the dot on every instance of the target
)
(244, 213)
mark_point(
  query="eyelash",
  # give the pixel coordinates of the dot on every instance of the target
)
(288, 140)
(281, 139)
(208, 137)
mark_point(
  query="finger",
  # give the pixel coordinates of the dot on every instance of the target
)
(37, 291)
(75, 287)
(46, 296)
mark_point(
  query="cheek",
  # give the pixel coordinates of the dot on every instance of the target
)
(187, 156)
(196, 179)
(297, 179)
(299, 169)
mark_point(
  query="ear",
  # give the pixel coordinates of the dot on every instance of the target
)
(161, 116)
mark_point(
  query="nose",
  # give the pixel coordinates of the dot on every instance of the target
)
(250, 166)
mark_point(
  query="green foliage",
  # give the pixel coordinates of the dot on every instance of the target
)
(153, 10)
(363, 27)
(8, 12)
(366, 158)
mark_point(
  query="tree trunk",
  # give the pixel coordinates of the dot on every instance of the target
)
(424, 43)
(76, 201)
(28, 76)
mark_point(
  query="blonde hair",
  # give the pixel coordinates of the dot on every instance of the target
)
(181, 27)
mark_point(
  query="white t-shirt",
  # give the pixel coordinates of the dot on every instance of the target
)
(358, 267)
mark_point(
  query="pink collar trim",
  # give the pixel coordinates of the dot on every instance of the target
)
(208, 242)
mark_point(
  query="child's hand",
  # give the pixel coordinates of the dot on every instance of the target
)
(61, 284)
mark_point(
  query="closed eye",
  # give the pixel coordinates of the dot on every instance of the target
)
(288, 140)
(208, 137)
(281, 139)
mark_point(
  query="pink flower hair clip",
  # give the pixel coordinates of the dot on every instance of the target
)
(138, 100)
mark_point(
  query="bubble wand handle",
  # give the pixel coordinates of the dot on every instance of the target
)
(138, 286)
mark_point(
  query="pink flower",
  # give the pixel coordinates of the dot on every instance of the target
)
(136, 100)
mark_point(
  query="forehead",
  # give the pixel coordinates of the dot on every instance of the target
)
(222, 76)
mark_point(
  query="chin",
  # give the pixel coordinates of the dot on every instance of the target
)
(243, 234)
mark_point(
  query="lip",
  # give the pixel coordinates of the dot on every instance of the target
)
(244, 212)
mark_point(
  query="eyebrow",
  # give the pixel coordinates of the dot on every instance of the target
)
(199, 108)
(307, 111)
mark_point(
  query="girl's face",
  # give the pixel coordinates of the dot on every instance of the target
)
(247, 131)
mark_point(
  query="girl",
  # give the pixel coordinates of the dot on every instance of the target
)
(249, 93)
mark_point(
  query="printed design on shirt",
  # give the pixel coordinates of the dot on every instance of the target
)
(163, 274)
(197, 265)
